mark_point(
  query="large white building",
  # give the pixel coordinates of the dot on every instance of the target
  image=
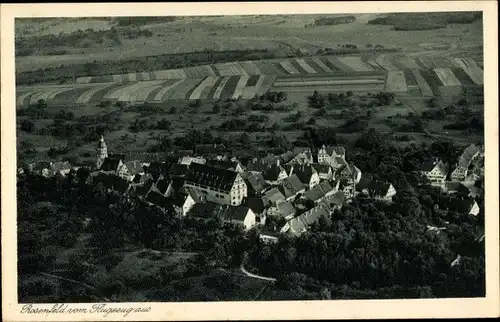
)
(219, 185)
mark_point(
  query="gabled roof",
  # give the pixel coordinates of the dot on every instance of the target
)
(286, 209)
(228, 165)
(158, 199)
(203, 210)
(351, 169)
(142, 178)
(176, 184)
(257, 182)
(287, 157)
(272, 196)
(134, 167)
(304, 173)
(272, 172)
(179, 170)
(212, 177)
(321, 168)
(41, 165)
(291, 185)
(379, 188)
(256, 204)
(456, 204)
(196, 194)
(143, 189)
(113, 182)
(466, 157)
(429, 166)
(110, 164)
(339, 150)
(257, 166)
(336, 199)
(270, 158)
(162, 185)
(318, 191)
(236, 213)
(288, 168)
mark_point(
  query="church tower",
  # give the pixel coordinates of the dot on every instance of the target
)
(102, 152)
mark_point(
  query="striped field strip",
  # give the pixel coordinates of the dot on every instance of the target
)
(21, 98)
(240, 69)
(265, 85)
(206, 70)
(396, 82)
(117, 78)
(306, 66)
(141, 87)
(384, 62)
(250, 67)
(142, 97)
(183, 90)
(422, 83)
(164, 90)
(471, 69)
(59, 91)
(207, 82)
(356, 63)
(170, 74)
(329, 82)
(219, 89)
(339, 65)
(321, 64)
(37, 96)
(447, 77)
(288, 67)
(87, 96)
(251, 91)
(240, 86)
(145, 76)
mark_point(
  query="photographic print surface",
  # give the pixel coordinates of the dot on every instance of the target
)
(250, 157)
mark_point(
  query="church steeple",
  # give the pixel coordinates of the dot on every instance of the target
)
(102, 152)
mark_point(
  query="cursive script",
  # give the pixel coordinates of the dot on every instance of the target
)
(102, 309)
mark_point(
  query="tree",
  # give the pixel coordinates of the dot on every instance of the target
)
(41, 103)
(27, 126)
(370, 140)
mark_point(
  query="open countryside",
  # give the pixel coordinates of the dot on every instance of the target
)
(250, 158)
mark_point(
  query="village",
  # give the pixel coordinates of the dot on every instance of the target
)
(279, 194)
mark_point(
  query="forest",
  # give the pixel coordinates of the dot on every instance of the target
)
(426, 20)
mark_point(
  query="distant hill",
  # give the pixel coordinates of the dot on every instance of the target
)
(426, 20)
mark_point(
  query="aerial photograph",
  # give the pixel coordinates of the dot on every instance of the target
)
(250, 157)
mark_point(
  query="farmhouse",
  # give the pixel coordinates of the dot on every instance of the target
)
(303, 156)
(324, 171)
(350, 173)
(326, 155)
(462, 206)
(228, 165)
(273, 197)
(256, 185)
(211, 150)
(116, 166)
(291, 187)
(383, 191)
(224, 186)
(134, 168)
(274, 174)
(286, 210)
(320, 191)
(435, 172)
(60, 168)
(298, 225)
(112, 182)
(462, 168)
(307, 175)
(193, 197)
(240, 215)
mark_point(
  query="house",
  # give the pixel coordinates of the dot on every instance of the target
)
(222, 186)
(134, 168)
(240, 215)
(112, 182)
(335, 200)
(204, 210)
(303, 156)
(291, 187)
(140, 179)
(286, 210)
(327, 155)
(382, 191)
(286, 157)
(175, 186)
(351, 173)
(307, 175)
(41, 168)
(435, 172)
(143, 190)
(320, 191)
(463, 206)
(324, 171)
(256, 167)
(177, 170)
(273, 197)
(298, 225)
(462, 168)
(347, 189)
(186, 160)
(228, 165)
(102, 152)
(256, 184)
(269, 235)
(156, 199)
(60, 168)
(192, 197)
(258, 208)
(274, 174)
(115, 165)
